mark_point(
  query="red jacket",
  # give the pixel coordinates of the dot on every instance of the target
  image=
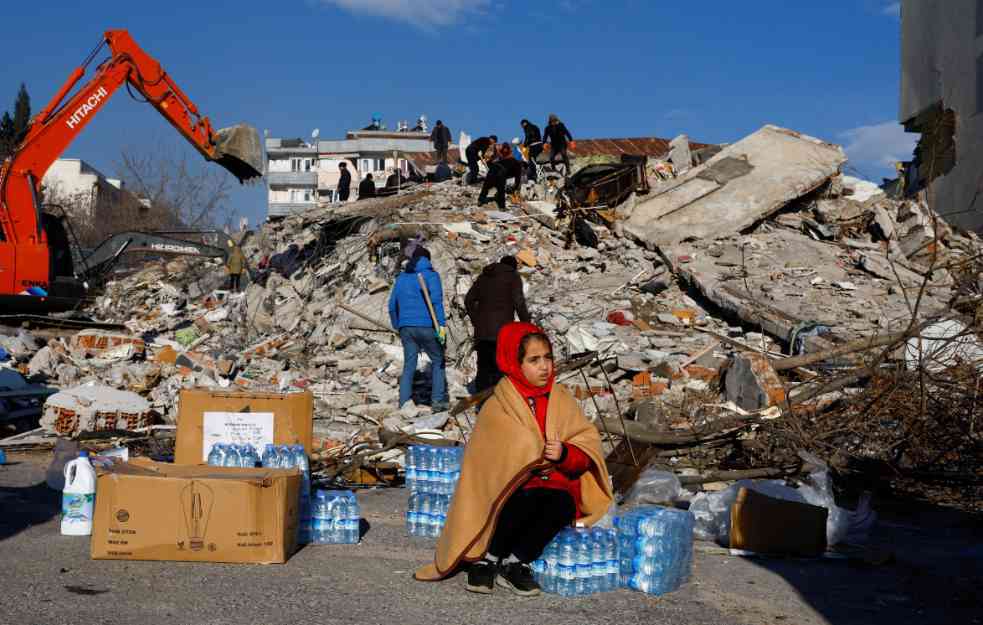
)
(566, 473)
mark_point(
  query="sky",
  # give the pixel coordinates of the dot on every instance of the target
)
(714, 70)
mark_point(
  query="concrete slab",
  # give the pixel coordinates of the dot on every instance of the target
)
(743, 184)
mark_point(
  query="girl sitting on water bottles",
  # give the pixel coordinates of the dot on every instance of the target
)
(532, 466)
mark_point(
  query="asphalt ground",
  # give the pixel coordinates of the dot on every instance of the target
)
(46, 578)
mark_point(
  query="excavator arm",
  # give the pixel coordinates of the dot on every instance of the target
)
(25, 258)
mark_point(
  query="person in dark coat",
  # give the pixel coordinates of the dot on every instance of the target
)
(505, 167)
(494, 300)
(474, 151)
(344, 182)
(441, 138)
(559, 139)
(533, 142)
(366, 188)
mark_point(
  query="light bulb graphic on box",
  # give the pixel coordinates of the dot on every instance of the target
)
(196, 507)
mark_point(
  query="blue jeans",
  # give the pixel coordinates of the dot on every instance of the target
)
(416, 339)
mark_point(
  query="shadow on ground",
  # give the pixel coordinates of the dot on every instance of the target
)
(24, 507)
(924, 565)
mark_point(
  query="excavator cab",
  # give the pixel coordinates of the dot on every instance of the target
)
(239, 151)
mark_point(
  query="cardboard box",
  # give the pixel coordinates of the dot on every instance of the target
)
(154, 511)
(208, 416)
(766, 525)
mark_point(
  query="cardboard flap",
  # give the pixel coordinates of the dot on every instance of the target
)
(286, 418)
(145, 467)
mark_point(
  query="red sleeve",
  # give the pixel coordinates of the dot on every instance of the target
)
(575, 463)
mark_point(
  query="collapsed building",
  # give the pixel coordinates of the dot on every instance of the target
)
(714, 314)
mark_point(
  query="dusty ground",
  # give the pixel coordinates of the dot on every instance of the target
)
(47, 578)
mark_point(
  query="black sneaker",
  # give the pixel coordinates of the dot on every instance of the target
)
(481, 577)
(518, 578)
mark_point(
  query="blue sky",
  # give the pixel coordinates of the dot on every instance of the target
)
(610, 68)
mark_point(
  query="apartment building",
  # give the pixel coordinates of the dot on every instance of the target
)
(942, 99)
(80, 188)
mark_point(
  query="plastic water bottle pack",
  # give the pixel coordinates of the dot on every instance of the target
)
(426, 514)
(579, 562)
(432, 469)
(336, 518)
(231, 455)
(655, 547)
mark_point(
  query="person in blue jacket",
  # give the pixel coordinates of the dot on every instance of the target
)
(409, 315)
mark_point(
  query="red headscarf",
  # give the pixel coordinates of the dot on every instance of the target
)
(507, 358)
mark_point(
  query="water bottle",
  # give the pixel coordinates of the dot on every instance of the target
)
(413, 515)
(285, 459)
(78, 497)
(411, 466)
(598, 563)
(611, 555)
(566, 564)
(269, 456)
(319, 513)
(250, 458)
(231, 457)
(354, 520)
(215, 455)
(583, 569)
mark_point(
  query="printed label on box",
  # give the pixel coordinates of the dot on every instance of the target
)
(239, 428)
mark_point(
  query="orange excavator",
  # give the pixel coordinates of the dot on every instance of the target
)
(37, 270)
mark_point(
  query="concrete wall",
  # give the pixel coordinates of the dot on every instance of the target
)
(942, 59)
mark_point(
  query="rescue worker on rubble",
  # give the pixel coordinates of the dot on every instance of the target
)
(344, 182)
(366, 188)
(474, 151)
(504, 167)
(533, 142)
(532, 466)
(411, 317)
(441, 138)
(495, 299)
(559, 140)
(235, 264)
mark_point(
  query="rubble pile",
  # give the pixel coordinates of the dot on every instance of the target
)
(721, 313)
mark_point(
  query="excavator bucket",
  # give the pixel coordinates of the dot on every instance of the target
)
(238, 150)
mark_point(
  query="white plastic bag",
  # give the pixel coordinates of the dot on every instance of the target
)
(654, 486)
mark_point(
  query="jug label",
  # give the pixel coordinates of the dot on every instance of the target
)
(77, 508)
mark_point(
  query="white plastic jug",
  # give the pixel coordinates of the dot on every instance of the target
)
(79, 497)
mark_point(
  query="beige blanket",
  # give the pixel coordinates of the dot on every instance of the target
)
(504, 449)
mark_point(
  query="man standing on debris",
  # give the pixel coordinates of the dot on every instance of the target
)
(234, 266)
(344, 182)
(441, 138)
(559, 139)
(532, 466)
(495, 299)
(411, 314)
(474, 151)
(504, 167)
(366, 188)
(533, 142)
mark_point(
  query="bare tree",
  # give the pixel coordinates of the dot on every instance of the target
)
(179, 183)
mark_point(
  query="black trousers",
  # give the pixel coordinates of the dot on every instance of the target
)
(343, 193)
(234, 279)
(493, 180)
(488, 373)
(566, 159)
(534, 152)
(472, 155)
(529, 521)
(441, 153)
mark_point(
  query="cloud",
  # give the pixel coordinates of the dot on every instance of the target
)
(892, 10)
(879, 145)
(426, 14)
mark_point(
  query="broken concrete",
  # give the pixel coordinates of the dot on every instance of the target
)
(751, 382)
(93, 407)
(743, 184)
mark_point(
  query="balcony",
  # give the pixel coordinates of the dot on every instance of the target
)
(292, 178)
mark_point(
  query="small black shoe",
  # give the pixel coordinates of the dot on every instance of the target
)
(518, 578)
(481, 577)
